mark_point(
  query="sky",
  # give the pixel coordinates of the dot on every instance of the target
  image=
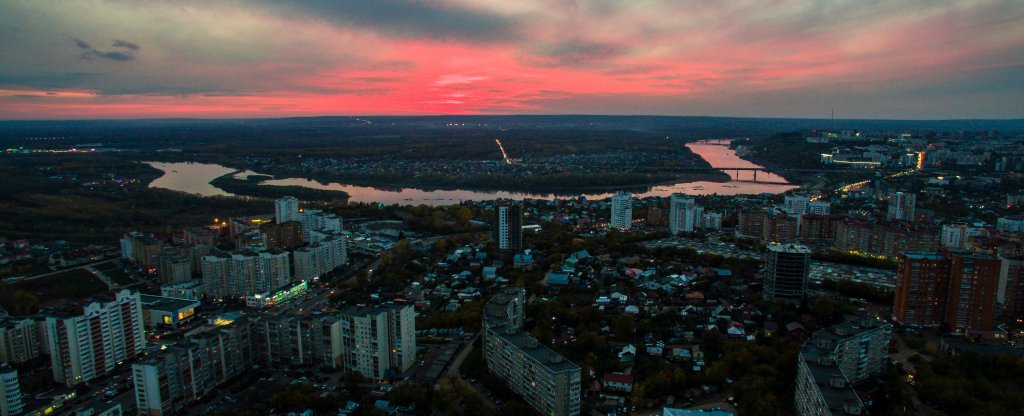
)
(906, 59)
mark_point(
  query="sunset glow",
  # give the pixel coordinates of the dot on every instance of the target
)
(865, 59)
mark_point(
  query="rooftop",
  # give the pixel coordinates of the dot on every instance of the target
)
(166, 304)
(537, 352)
(789, 248)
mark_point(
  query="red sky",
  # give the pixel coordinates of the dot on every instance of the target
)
(865, 59)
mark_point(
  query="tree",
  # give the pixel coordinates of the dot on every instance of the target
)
(624, 327)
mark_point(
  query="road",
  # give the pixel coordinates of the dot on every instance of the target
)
(456, 375)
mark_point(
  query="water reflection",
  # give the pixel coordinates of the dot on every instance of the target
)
(196, 177)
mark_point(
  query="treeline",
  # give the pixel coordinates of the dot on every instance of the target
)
(972, 384)
(250, 186)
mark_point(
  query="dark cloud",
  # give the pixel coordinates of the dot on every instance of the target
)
(575, 53)
(50, 80)
(119, 56)
(111, 55)
(118, 43)
(410, 18)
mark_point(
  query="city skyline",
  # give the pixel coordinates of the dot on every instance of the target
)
(226, 59)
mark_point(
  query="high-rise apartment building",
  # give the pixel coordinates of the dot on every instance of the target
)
(973, 289)
(795, 205)
(508, 226)
(955, 289)
(316, 221)
(955, 236)
(298, 340)
(168, 380)
(682, 214)
(622, 211)
(19, 340)
(901, 206)
(142, 249)
(286, 209)
(1011, 285)
(320, 258)
(245, 272)
(282, 236)
(835, 358)
(787, 271)
(921, 282)
(545, 379)
(175, 266)
(710, 221)
(91, 342)
(216, 268)
(378, 342)
(10, 391)
(819, 208)
(171, 379)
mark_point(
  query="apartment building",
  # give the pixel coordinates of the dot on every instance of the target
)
(545, 379)
(90, 341)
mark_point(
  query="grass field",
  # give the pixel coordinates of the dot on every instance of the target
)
(115, 271)
(61, 288)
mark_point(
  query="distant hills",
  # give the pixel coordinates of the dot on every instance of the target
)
(684, 127)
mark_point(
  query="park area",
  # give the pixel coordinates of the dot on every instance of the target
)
(28, 296)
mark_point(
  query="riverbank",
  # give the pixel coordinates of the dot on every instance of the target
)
(251, 186)
(559, 184)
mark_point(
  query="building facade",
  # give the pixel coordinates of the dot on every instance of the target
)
(10, 391)
(245, 272)
(19, 340)
(682, 214)
(508, 226)
(90, 343)
(169, 380)
(901, 206)
(835, 358)
(286, 209)
(920, 295)
(545, 379)
(622, 211)
(320, 258)
(787, 272)
(378, 342)
(957, 289)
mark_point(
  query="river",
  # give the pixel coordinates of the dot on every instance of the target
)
(195, 178)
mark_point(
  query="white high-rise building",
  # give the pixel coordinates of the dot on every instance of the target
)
(622, 211)
(682, 216)
(819, 208)
(19, 340)
(956, 235)
(710, 221)
(901, 206)
(795, 205)
(378, 342)
(286, 209)
(10, 391)
(90, 344)
(216, 268)
(315, 223)
(273, 271)
(320, 258)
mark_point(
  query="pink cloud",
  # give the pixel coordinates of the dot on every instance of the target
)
(275, 61)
